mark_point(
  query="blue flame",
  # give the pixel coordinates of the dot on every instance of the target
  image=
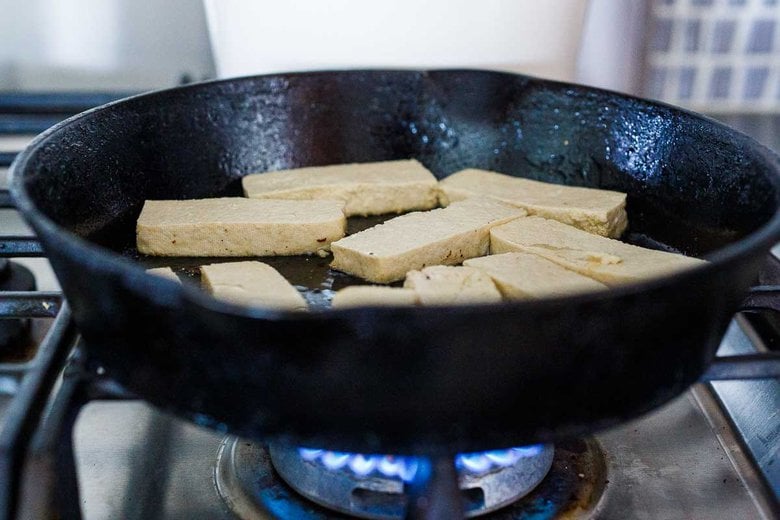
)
(405, 468)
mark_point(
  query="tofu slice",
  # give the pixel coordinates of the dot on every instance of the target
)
(373, 295)
(365, 188)
(452, 285)
(601, 212)
(164, 272)
(524, 275)
(385, 253)
(251, 283)
(238, 227)
(609, 261)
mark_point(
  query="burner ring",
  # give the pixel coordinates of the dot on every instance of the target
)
(382, 497)
(251, 488)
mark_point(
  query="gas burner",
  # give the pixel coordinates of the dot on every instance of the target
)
(283, 482)
(15, 337)
(373, 486)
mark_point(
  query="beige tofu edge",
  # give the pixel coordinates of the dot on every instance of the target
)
(363, 200)
(153, 241)
(615, 225)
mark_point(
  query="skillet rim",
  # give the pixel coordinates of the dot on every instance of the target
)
(169, 291)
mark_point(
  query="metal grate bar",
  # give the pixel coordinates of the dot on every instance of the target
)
(56, 103)
(52, 486)
(762, 297)
(26, 409)
(32, 304)
(27, 123)
(6, 158)
(6, 200)
(20, 247)
(764, 365)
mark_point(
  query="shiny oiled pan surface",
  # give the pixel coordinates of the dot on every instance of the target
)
(401, 379)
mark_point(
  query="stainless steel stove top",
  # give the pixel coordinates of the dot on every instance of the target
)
(679, 462)
(711, 453)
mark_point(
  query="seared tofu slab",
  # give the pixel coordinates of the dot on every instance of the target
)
(365, 188)
(238, 227)
(385, 253)
(601, 212)
(609, 261)
(524, 275)
(452, 285)
(251, 283)
(373, 296)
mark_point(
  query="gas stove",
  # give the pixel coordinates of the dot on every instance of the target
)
(73, 444)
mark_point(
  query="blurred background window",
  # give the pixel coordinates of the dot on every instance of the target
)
(709, 55)
(87, 45)
(716, 55)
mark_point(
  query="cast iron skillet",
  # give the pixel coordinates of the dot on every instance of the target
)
(402, 379)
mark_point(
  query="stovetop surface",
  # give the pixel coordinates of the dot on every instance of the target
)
(137, 463)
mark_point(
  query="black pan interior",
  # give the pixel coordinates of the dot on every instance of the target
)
(198, 142)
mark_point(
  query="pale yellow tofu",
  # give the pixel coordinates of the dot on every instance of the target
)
(238, 227)
(385, 253)
(525, 275)
(601, 212)
(373, 296)
(365, 188)
(164, 272)
(606, 260)
(252, 284)
(452, 285)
